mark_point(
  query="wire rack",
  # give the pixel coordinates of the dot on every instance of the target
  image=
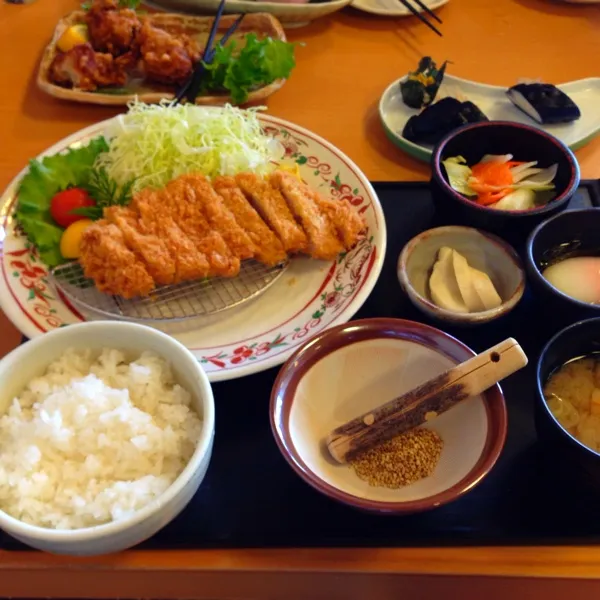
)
(179, 302)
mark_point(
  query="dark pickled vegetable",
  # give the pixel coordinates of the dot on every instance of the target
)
(420, 87)
(544, 103)
(439, 119)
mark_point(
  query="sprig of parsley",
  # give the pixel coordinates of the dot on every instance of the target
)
(106, 192)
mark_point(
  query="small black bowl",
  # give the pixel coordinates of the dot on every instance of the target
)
(498, 137)
(570, 456)
(572, 232)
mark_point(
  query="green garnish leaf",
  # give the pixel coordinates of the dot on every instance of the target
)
(256, 64)
(133, 4)
(47, 177)
(105, 191)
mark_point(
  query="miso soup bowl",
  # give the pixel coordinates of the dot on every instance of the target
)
(350, 369)
(564, 451)
(525, 143)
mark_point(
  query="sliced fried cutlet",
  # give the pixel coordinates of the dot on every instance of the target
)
(349, 225)
(323, 242)
(190, 263)
(179, 200)
(269, 250)
(147, 246)
(274, 210)
(219, 217)
(114, 268)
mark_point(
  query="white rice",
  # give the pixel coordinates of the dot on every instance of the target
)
(94, 439)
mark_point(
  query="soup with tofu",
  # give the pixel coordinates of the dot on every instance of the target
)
(573, 396)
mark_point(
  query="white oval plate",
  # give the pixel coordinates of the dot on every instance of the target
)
(309, 297)
(291, 15)
(492, 100)
(393, 8)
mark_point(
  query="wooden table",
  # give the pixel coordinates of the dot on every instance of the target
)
(347, 62)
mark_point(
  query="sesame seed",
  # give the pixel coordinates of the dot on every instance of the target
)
(403, 460)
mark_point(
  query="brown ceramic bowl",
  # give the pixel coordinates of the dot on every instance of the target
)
(348, 370)
(482, 250)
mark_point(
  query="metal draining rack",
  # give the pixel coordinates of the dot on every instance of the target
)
(187, 300)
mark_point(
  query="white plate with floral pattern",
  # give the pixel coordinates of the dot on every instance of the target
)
(309, 297)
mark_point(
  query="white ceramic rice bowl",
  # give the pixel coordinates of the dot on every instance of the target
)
(30, 360)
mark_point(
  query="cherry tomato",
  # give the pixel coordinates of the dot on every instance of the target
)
(64, 203)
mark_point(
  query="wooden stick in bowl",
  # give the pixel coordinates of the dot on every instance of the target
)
(427, 401)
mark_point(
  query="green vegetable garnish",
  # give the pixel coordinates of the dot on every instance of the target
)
(45, 178)
(133, 4)
(258, 63)
(106, 192)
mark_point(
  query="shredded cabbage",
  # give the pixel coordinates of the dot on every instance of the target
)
(156, 143)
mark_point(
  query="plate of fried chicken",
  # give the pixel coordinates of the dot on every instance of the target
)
(110, 55)
(319, 223)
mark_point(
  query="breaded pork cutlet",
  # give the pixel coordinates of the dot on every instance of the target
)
(190, 263)
(323, 242)
(180, 202)
(349, 225)
(219, 218)
(271, 206)
(114, 268)
(148, 247)
(268, 248)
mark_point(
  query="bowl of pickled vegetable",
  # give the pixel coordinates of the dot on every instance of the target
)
(501, 176)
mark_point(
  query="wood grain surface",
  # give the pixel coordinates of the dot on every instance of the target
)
(347, 62)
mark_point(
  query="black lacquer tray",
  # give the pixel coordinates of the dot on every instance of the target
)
(251, 497)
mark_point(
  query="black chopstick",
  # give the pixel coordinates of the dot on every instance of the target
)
(427, 10)
(417, 14)
(191, 87)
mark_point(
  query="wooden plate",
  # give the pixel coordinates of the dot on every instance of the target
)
(262, 24)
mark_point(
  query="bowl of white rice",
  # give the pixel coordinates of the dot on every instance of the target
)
(106, 433)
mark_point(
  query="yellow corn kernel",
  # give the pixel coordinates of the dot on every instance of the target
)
(73, 36)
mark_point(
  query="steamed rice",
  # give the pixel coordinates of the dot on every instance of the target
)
(94, 439)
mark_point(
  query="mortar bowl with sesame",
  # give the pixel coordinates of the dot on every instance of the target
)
(351, 369)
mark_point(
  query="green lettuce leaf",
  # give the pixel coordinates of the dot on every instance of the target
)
(258, 63)
(45, 178)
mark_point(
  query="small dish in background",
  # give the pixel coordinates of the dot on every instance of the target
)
(495, 104)
(348, 370)
(570, 233)
(393, 8)
(483, 251)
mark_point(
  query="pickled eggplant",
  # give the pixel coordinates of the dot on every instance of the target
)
(544, 103)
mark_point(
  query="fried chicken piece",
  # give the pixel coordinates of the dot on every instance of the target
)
(87, 70)
(114, 268)
(271, 206)
(166, 58)
(219, 218)
(269, 249)
(112, 29)
(180, 203)
(190, 263)
(323, 243)
(148, 247)
(350, 226)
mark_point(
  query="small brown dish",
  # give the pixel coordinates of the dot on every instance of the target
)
(350, 369)
(483, 251)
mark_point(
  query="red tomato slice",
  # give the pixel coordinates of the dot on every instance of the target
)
(64, 203)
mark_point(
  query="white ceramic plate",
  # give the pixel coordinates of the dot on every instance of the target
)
(309, 297)
(492, 100)
(290, 15)
(393, 8)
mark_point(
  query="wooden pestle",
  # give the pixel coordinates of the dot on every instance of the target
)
(427, 401)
